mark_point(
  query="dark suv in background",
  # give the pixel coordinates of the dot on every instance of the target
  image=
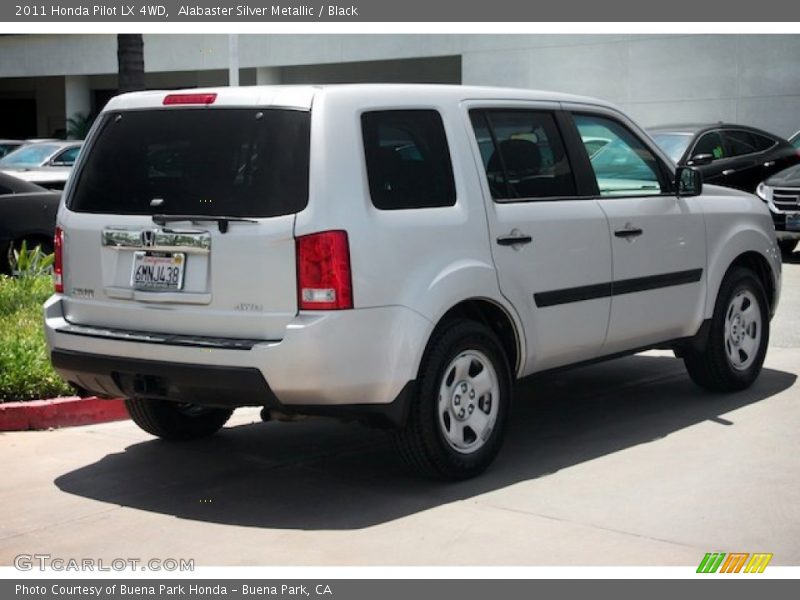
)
(735, 156)
(781, 192)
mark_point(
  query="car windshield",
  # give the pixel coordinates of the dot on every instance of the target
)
(29, 156)
(795, 140)
(220, 162)
(674, 144)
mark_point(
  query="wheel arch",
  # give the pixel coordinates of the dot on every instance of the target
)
(760, 265)
(497, 318)
(746, 247)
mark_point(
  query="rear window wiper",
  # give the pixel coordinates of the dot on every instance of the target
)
(222, 222)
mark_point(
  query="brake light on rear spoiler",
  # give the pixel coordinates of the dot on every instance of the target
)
(324, 280)
(189, 99)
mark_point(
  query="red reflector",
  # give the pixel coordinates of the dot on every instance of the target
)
(190, 99)
(58, 261)
(323, 271)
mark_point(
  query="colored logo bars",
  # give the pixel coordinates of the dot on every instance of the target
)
(735, 562)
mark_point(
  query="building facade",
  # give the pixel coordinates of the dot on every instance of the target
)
(658, 79)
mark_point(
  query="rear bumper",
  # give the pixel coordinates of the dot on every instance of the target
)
(354, 362)
(130, 377)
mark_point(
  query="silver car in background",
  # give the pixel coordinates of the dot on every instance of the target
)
(47, 164)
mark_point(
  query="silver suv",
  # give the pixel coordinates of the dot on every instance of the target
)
(398, 254)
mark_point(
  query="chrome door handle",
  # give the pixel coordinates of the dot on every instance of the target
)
(514, 239)
(769, 163)
(729, 171)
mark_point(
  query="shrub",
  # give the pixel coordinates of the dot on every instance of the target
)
(25, 370)
(30, 263)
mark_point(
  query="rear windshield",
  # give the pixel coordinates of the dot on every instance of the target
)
(214, 162)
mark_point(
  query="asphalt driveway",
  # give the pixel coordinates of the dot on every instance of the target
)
(622, 463)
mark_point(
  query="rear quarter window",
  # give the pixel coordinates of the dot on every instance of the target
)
(214, 162)
(407, 158)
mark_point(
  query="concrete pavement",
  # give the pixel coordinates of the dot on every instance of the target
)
(622, 463)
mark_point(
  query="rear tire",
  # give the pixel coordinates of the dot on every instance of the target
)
(175, 421)
(457, 421)
(738, 338)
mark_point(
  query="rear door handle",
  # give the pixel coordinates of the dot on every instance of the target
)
(629, 232)
(516, 237)
(729, 171)
(769, 163)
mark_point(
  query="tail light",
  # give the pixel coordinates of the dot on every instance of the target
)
(324, 281)
(58, 262)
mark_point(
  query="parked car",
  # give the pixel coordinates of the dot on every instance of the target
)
(734, 156)
(47, 164)
(781, 192)
(27, 212)
(397, 254)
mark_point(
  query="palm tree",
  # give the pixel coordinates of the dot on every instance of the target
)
(130, 61)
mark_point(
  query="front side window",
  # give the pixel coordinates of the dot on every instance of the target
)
(523, 154)
(710, 143)
(217, 162)
(408, 161)
(624, 166)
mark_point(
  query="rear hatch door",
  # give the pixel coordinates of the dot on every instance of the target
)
(181, 221)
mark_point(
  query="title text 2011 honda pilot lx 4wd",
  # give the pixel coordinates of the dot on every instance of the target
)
(393, 253)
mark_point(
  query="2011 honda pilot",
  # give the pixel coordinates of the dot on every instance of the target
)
(394, 253)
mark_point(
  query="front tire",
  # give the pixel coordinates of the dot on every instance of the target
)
(457, 422)
(738, 338)
(175, 421)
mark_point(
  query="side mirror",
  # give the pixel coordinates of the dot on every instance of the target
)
(700, 160)
(688, 182)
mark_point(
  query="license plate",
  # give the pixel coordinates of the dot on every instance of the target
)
(793, 222)
(159, 271)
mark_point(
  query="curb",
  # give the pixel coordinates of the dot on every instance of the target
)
(60, 412)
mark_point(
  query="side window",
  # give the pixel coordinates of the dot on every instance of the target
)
(408, 162)
(745, 142)
(623, 166)
(710, 143)
(762, 142)
(67, 157)
(523, 154)
(740, 142)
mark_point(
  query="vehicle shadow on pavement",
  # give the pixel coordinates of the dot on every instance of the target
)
(320, 474)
